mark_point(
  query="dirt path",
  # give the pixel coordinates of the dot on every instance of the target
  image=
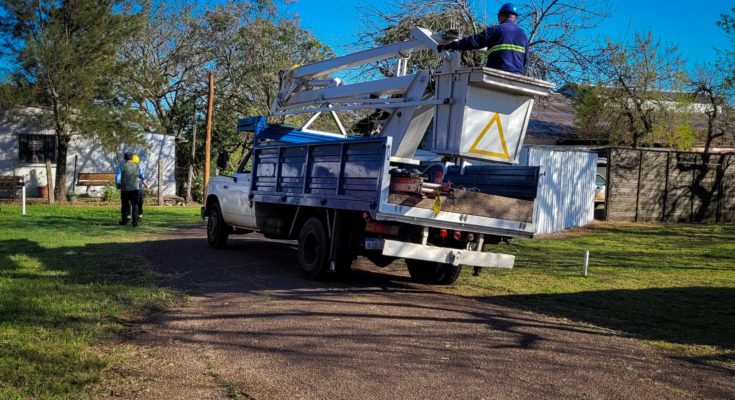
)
(255, 329)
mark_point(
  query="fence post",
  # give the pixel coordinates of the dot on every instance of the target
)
(24, 198)
(720, 187)
(190, 173)
(160, 182)
(691, 194)
(50, 183)
(666, 186)
(638, 186)
(609, 183)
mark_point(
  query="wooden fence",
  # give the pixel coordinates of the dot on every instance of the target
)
(650, 185)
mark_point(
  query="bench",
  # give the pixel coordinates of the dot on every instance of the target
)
(95, 179)
(11, 183)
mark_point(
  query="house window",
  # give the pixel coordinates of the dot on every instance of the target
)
(36, 148)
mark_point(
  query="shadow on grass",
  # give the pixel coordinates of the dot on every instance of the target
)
(657, 230)
(686, 315)
(103, 280)
(55, 303)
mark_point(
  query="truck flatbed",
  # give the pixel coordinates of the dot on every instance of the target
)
(353, 174)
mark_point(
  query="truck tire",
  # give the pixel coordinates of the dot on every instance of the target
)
(313, 254)
(217, 229)
(432, 272)
(451, 273)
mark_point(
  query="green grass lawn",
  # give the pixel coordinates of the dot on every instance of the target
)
(670, 285)
(68, 278)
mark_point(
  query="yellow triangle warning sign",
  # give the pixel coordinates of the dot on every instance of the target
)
(495, 120)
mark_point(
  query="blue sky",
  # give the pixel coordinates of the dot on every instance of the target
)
(688, 24)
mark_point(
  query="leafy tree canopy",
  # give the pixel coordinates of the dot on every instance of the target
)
(67, 58)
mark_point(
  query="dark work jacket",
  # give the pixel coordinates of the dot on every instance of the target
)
(129, 176)
(507, 46)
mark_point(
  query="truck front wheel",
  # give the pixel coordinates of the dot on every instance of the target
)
(217, 229)
(432, 272)
(313, 254)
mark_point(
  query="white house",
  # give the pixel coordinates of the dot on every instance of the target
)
(25, 145)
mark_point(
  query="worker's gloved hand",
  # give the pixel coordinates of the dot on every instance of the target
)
(447, 47)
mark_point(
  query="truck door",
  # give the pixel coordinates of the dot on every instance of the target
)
(240, 212)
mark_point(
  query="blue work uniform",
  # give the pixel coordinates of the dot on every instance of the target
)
(507, 46)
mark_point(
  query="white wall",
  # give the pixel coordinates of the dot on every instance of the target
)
(91, 156)
(566, 187)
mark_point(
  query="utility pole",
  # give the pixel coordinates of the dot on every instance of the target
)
(208, 137)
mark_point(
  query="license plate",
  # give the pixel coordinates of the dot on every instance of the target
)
(373, 244)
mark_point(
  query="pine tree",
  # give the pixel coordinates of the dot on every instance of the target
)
(66, 52)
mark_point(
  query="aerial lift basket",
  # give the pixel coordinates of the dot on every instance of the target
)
(487, 115)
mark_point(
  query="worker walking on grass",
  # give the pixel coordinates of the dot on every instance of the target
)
(142, 186)
(507, 44)
(129, 180)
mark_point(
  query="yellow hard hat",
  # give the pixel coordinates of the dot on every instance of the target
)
(136, 159)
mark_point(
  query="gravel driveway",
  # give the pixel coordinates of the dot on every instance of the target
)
(253, 328)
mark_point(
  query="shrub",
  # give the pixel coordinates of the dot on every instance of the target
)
(111, 193)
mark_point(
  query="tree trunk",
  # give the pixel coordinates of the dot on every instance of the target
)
(61, 151)
(708, 143)
(49, 185)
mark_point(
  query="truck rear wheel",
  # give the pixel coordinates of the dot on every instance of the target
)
(313, 254)
(217, 229)
(432, 272)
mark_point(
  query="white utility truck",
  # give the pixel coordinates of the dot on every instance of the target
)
(342, 196)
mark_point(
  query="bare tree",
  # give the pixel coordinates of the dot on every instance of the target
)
(560, 49)
(250, 47)
(710, 86)
(637, 84)
(166, 60)
(559, 37)
(170, 59)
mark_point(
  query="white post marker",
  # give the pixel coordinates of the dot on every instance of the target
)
(586, 261)
(23, 197)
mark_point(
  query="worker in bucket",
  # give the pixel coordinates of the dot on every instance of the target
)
(142, 186)
(507, 44)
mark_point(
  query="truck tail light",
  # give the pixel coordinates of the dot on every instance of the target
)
(457, 235)
(438, 176)
(443, 233)
(385, 229)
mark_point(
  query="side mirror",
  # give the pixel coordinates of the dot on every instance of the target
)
(223, 159)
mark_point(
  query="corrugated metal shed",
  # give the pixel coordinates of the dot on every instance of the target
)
(566, 190)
